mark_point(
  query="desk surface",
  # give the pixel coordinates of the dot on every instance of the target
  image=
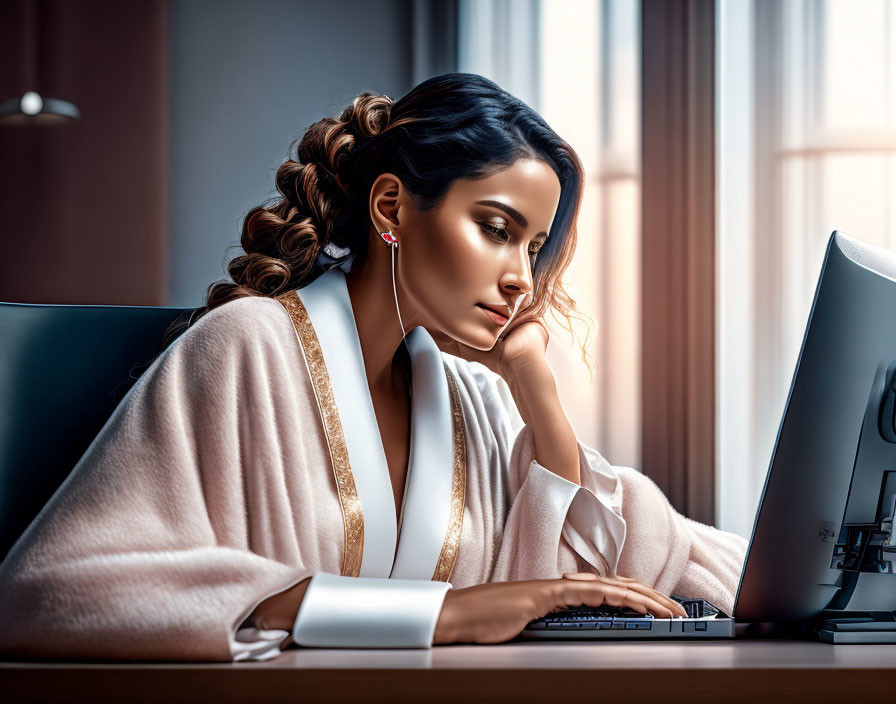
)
(740, 670)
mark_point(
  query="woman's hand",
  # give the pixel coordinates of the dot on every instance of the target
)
(519, 358)
(281, 609)
(498, 611)
(525, 341)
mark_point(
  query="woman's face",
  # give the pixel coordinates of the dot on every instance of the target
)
(475, 251)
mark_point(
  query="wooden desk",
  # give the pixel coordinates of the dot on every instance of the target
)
(737, 671)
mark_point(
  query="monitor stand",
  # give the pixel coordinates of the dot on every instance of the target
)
(855, 627)
(834, 624)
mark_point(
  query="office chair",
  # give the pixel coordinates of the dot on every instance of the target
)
(63, 370)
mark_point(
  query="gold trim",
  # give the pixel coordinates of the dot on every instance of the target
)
(352, 516)
(448, 556)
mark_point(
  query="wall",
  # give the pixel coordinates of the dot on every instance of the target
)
(245, 79)
(84, 204)
(188, 108)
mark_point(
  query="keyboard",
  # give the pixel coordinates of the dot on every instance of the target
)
(621, 617)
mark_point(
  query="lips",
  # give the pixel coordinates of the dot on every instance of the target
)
(493, 314)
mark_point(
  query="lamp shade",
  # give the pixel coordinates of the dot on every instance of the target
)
(33, 109)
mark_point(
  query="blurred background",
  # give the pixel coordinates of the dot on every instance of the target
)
(724, 140)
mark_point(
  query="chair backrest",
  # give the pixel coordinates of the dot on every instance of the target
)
(63, 370)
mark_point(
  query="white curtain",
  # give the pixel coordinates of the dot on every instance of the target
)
(806, 130)
(499, 39)
(577, 63)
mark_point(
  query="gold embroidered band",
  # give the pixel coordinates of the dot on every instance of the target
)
(448, 557)
(352, 516)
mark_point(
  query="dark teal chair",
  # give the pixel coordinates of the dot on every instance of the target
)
(63, 370)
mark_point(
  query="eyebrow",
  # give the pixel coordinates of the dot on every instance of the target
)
(512, 212)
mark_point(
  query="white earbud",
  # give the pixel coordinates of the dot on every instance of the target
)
(392, 241)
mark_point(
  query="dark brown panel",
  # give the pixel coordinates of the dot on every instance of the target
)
(678, 252)
(85, 204)
(742, 670)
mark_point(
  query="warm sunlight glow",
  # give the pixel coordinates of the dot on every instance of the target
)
(589, 95)
(817, 140)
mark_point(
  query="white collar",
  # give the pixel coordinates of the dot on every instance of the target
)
(428, 488)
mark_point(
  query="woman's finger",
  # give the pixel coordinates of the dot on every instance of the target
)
(643, 603)
(581, 576)
(676, 608)
(614, 594)
(634, 584)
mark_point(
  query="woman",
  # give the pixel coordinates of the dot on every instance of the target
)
(363, 414)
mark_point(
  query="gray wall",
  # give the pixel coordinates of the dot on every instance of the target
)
(244, 79)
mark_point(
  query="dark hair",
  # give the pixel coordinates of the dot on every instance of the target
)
(449, 127)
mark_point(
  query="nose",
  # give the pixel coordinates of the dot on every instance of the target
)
(517, 279)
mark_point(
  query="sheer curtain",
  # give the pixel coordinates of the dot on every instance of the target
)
(577, 63)
(806, 125)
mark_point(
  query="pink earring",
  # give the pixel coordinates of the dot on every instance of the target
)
(389, 238)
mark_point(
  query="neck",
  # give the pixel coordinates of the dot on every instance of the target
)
(373, 304)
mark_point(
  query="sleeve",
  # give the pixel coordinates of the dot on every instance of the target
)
(369, 612)
(154, 547)
(548, 510)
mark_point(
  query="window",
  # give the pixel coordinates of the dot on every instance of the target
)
(806, 129)
(578, 63)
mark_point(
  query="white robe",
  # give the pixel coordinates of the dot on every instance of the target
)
(248, 458)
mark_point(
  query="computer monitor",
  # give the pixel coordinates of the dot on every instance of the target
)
(823, 537)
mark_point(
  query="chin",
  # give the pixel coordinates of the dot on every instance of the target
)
(475, 336)
(481, 338)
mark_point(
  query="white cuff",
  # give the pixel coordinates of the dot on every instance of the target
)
(595, 532)
(591, 526)
(369, 612)
(254, 644)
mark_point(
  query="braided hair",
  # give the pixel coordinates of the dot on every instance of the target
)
(449, 127)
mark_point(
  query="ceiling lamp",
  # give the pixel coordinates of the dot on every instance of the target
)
(32, 108)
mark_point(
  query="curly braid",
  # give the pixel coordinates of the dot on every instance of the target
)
(449, 127)
(282, 240)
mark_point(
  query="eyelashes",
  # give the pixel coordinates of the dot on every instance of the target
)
(500, 234)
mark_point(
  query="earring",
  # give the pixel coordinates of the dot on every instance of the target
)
(392, 241)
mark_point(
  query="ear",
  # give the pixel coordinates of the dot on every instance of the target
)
(388, 198)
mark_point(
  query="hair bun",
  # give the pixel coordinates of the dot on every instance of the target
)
(328, 143)
(368, 114)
